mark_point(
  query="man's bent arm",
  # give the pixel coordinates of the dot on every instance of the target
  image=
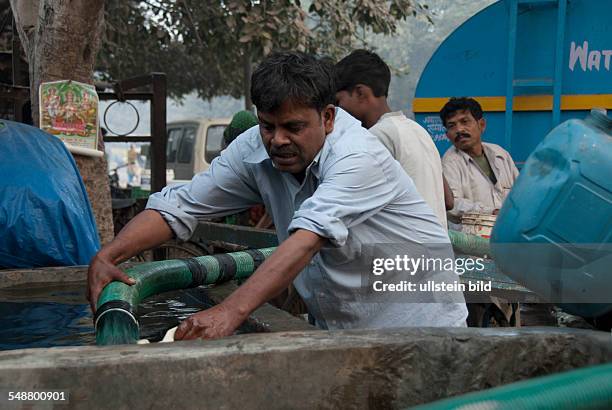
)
(278, 272)
(461, 205)
(449, 197)
(147, 230)
(271, 278)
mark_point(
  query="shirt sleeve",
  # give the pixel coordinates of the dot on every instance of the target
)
(385, 138)
(227, 187)
(462, 204)
(513, 169)
(352, 189)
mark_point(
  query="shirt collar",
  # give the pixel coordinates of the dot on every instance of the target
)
(389, 115)
(314, 165)
(342, 121)
(486, 149)
(253, 145)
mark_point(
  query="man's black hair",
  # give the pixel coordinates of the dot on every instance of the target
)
(460, 104)
(363, 67)
(295, 76)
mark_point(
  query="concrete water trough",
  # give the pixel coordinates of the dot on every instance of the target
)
(50, 287)
(288, 364)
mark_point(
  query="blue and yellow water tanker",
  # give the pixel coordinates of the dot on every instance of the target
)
(531, 65)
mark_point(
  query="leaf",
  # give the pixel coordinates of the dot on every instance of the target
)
(140, 29)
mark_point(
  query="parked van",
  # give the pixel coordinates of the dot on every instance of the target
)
(191, 146)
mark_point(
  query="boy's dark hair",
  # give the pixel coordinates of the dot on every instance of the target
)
(294, 76)
(363, 67)
(460, 104)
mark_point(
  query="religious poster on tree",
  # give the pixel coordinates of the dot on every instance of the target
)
(69, 110)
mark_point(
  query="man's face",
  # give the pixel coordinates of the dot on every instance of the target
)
(294, 134)
(464, 130)
(349, 101)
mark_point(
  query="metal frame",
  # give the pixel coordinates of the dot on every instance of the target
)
(234, 235)
(557, 86)
(19, 90)
(20, 94)
(556, 80)
(157, 98)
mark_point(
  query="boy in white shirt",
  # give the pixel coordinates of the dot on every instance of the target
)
(362, 85)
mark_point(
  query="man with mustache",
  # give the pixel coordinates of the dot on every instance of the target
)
(480, 174)
(334, 193)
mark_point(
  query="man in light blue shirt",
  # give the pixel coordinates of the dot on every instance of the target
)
(335, 194)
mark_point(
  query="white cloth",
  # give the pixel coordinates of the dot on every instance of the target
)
(168, 337)
(413, 148)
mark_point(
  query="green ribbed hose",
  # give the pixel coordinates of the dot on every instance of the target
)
(469, 244)
(115, 319)
(588, 388)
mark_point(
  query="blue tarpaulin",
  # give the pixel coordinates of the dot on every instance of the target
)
(45, 215)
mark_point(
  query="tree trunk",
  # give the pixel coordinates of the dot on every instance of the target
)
(61, 39)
